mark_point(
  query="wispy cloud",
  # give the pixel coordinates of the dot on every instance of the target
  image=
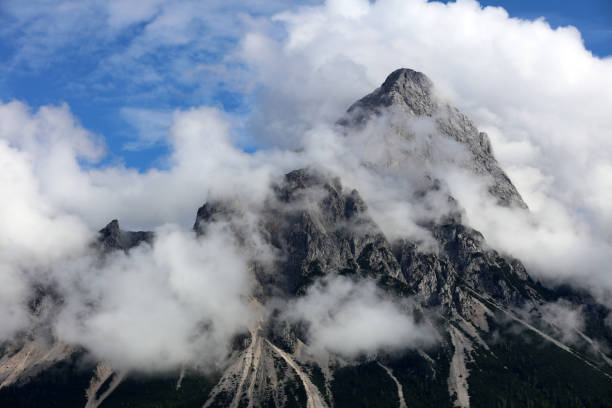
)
(151, 127)
(129, 52)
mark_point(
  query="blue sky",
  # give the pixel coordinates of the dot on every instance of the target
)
(124, 70)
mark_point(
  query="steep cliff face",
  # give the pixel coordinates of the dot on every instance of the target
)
(490, 351)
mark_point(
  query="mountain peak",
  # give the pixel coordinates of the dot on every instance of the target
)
(113, 237)
(411, 93)
(111, 231)
(407, 83)
(406, 89)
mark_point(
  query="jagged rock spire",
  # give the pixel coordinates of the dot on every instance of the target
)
(113, 237)
(411, 90)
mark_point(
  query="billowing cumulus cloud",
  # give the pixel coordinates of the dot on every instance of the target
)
(180, 300)
(203, 160)
(34, 233)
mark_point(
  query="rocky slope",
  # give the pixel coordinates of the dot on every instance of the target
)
(493, 350)
(408, 94)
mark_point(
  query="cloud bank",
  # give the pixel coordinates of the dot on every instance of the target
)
(180, 301)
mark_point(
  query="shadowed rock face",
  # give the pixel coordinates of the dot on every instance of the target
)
(463, 259)
(112, 237)
(316, 227)
(321, 228)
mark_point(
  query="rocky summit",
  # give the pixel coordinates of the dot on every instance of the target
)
(493, 346)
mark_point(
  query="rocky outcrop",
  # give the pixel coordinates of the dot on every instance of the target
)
(112, 237)
(463, 259)
(321, 228)
(316, 227)
(406, 89)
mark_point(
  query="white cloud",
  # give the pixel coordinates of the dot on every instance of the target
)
(179, 301)
(122, 14)
(203, 161)
(350, 318)
(564, 316)
(34, 234)
(13, 313)
(50, 129)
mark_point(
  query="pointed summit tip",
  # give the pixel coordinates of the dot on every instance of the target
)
(406, 89)
(113, 237)
(401, 78)
(410, 89)
(409, 93)
(111, 227)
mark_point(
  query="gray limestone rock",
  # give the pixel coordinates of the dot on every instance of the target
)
(316, 227)
(410, 90)
(112, 237)
(411, 93)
